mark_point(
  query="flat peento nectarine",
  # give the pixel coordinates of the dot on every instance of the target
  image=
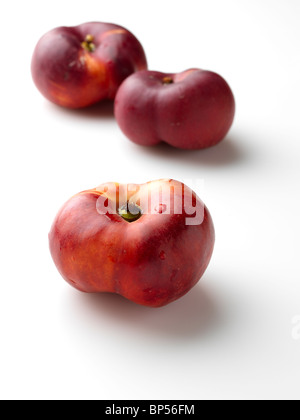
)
(150, 243)
(189, 110)
(78, 66)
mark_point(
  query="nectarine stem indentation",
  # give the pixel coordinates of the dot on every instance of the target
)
(130, 212)
(167, 80)
(88, 43)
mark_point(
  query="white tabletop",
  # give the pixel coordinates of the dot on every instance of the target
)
(236, 335)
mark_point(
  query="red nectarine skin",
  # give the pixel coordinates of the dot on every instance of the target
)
(152, 261)
(78, 66)
(189, 110)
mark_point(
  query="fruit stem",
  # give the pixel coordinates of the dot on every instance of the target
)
(88, 43)
(167, 80)
(130, 212)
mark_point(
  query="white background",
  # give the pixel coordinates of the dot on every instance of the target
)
(232, 336)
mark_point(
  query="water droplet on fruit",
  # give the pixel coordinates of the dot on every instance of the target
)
(162, 255)
(160, 208)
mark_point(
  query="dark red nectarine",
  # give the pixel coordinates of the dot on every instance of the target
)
(189, 110)
(78, 66)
